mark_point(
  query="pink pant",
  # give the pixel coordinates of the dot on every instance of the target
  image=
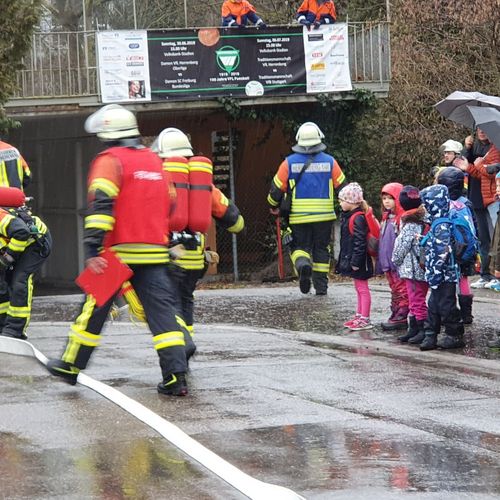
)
(417, 292)
(364, 297)
(399, 296)
(463, 286)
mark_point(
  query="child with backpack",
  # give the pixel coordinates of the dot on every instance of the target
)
(354, 259)
(388, 231)
(441, 273)
(460, 207)
(406, 257)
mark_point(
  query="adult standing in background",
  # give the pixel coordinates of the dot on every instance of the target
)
(14, 171)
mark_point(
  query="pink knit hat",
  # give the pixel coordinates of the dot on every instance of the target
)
(352, 193)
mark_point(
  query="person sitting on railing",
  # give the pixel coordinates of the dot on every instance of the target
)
(236, 14)
(316, 12)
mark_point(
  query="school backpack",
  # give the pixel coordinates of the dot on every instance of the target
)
(373, 236)
(464, 242)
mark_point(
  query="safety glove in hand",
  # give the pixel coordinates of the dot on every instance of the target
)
(6, 261)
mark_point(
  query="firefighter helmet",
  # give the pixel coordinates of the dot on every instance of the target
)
(172, 142)
(452, 146)
(309, 134)
(112, 122)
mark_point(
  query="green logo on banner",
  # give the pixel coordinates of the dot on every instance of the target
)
(228, 58)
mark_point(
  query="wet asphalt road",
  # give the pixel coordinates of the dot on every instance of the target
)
(278, 389)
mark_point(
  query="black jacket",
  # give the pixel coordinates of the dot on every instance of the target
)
(353, 248)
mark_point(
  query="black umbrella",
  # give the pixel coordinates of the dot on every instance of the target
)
(455, 106)
(488, 120)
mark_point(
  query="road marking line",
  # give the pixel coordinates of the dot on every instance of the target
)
(249, 486)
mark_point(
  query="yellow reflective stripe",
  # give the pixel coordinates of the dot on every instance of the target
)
(272, 201)
(321, 268)
(168, 339)
(303, 219)
(296, 254)
(20, 170)
(40, 225)
(190, 329)
(30, 300)
(139, 248)
(180, 321)
(105, 185)
(17, 245)
(191, 266)
(4, 223)
(19, 311)
(238, 226)
(277, 182)
(99, 221)
(200, 166)
(144, 259)
(3, 307)
(340, 179)
(4, 181)
(307, 205)
(84, 338)
(174, 166)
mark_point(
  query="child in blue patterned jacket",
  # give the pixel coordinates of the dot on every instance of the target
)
(441, 273)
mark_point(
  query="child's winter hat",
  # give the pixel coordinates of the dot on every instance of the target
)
(409, 198)
(352, 193)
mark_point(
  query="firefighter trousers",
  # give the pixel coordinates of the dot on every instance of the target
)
(16, 291)
(156, 291)
(311, 246)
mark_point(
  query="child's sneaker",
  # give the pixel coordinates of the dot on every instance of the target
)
(349, 322)
(496, 286)
(480, 283)
(361, 324)
(492, 284)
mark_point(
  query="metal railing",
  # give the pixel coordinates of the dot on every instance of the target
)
(64, 64)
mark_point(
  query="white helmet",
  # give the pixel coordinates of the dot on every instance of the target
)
(452, 146)
(309, 134)
(172, 142)
(112, 122)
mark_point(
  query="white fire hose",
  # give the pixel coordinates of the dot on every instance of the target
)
(247, 485)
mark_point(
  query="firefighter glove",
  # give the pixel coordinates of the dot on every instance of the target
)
(6, 261)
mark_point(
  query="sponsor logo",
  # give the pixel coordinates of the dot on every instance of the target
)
(228, 58)
(318, 66)
(144, 175)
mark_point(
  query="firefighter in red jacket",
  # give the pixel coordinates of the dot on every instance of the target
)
(25, 244)
(237, 13)
(14, 171)
(173, 146)
(316, 12)
(130, 198)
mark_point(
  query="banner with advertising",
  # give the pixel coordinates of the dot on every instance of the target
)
(216, 62)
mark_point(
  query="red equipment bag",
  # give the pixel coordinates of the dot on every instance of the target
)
(373, 235)
(200, 194)
(11, 197)
(178, 168)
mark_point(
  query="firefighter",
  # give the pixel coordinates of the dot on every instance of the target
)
(25, 245)
(316, 12)
(191, 265)
(236, 13)
(14, 171)
(308, 178)
(130, 198)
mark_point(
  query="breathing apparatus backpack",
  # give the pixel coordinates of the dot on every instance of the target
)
(193, 182)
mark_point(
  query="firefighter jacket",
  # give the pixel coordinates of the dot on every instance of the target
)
(14, 171)
(313, 195)
(238, 13)
(317, 11)
(129, 197)
(227, 215)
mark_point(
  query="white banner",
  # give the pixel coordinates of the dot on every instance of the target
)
(326, 51)
(124, 66)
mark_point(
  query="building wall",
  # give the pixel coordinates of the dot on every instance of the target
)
(59, 153)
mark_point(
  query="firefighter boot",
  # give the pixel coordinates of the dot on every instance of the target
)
(64, 370)
(397, 320)
(174, 385)
(320, 283)
(305, 272)
(412, 330)
(465, 303)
